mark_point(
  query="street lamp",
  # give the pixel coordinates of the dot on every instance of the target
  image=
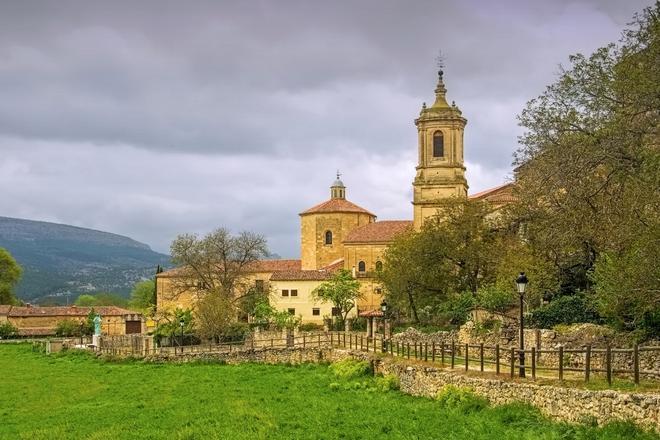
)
(383, 308)
(521, 283)
(181, 324)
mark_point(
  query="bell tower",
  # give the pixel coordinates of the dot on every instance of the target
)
(440, 169)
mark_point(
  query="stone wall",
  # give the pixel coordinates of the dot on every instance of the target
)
(295, 355)
(567, 404)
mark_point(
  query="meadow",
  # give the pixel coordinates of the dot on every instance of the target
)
(74, 395)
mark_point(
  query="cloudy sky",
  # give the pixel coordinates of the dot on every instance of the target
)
(154, 118)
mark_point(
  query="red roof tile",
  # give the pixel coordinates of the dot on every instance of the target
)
(378, 232)
(371, 313)
(301, 275)
(257, 266)
(336, 205)
(498, 194)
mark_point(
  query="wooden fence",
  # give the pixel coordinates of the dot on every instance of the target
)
(469, 357)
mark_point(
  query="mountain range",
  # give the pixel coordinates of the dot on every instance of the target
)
(62, 260)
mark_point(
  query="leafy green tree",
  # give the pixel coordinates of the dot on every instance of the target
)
(86, 300)
(142, 297)
(589, 169)
(10, 274)
(342, 291)
(434, 274)
(68, 327)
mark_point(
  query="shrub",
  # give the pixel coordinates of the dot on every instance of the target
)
(389, 382)
(236, 332)
(461, 398)
(310, 327)
(566, 310)
(494, 299)
(351, 369)
(67, 327)
(7, 330)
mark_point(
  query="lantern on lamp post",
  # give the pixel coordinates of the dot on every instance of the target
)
(383, 308)
(521, 284)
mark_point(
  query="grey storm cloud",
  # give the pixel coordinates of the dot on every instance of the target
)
(153, 118)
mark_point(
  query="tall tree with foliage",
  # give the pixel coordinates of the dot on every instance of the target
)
(215, 269)
(10, 274)
(342, 290)
(142, 297)
(589, 171)
(466, 251)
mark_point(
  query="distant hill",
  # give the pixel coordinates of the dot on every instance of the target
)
(59, 259)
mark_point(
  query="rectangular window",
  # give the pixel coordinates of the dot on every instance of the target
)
(294, 292)
(259, 285)
(316, 312)
(291, 311)
(285, 292)
(335, 311)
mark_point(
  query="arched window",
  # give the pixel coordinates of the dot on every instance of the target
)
(362, 267)
(438, 144)
(328, 237)
(379, 266)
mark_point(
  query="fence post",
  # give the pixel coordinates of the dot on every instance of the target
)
(467, 357)
(433, 351)
(533, 363)
(587, 363)
(453, 354)
(408, 350)
(481, 357)
(636, 363)
(608, 364)
(442, 353)
(497, 358)
(426, 351)
(513, 360)
(415, 350)
(561, 362)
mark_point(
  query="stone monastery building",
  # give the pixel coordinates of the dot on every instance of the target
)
(339, 234)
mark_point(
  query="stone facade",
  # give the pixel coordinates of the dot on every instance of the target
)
(440, 170)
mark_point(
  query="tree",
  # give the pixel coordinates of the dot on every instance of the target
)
(101, 299)
(217, 263)
(142, 297)
(10, 274)
(342, 291)
(468, 251)
(214, 316)
(215, 268)
(589, 169)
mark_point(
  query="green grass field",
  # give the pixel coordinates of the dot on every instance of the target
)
(75, 396)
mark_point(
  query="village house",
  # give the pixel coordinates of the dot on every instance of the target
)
(42, 321)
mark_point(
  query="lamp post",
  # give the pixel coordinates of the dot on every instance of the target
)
(383, 308)
(181, 324)
(521, 283)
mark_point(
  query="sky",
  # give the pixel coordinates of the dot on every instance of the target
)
(155, 118)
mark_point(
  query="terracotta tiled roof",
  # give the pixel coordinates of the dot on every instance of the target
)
(499, 194)
(69, 311)
(301, 275)
(257, 266)
(378, 232)
(336, 205)
(324, 273)
(274, 265)
(4, 310)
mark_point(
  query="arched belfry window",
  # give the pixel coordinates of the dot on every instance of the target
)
(379, 266)
(438, 144)
(328, 237)
(362, 267)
